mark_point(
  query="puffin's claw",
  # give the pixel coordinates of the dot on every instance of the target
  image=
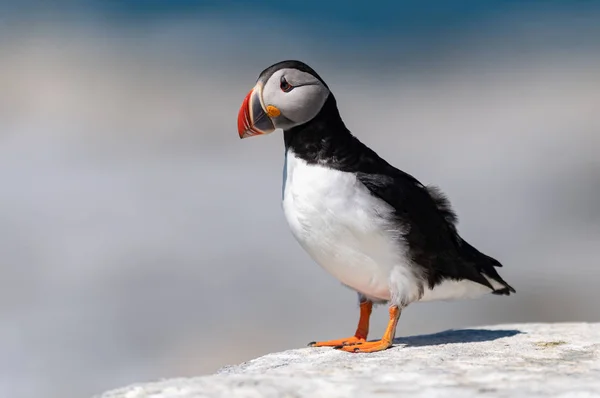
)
(339, 342)
(372, 346)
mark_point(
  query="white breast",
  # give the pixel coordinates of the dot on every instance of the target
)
(345, 229)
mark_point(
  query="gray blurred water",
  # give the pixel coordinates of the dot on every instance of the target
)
(140, 238)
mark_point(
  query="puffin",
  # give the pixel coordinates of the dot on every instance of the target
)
(375, 228)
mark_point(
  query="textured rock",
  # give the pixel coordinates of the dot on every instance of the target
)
(522, 360)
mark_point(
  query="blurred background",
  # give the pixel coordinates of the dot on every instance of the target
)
(141, 239)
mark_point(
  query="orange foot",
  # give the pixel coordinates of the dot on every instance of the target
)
(386, 340)
(361, 331)
(372, 346)
(339, 342)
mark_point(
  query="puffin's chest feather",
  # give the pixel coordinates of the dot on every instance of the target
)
(318, 199)
(341, 225)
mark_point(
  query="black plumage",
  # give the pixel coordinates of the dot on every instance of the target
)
(423, 212)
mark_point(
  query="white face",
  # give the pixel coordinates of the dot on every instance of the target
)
(299, 96)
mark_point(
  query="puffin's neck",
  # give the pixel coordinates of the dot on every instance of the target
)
(322, 140)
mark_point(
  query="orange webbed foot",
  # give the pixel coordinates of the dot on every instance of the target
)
(349, 341)
(371, 346)
(361, 334)
(380, 345)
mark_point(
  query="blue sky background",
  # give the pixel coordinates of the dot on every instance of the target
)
(381, 18)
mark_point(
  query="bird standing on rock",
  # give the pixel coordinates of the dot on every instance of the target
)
(375, 228)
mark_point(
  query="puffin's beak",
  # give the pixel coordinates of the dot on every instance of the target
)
(252, 118)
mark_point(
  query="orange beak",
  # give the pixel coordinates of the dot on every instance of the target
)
(252, 118)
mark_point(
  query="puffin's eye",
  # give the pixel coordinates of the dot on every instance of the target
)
(284, 85)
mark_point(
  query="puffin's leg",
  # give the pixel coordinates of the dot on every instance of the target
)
(361, 331)
(385, 342)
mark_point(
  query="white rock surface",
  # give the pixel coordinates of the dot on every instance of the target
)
(522, 360)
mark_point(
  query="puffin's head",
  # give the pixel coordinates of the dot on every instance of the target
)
(286, 95)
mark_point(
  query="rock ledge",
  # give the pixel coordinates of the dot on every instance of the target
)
(520, 360)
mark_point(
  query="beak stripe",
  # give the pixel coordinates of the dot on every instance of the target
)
(245, 127)
(252, 118)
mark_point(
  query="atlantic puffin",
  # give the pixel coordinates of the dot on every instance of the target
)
(375, 228)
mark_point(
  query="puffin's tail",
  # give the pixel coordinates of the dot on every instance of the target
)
(486, 266)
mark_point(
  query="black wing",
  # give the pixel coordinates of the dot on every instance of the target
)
(430, 224)
(424, 213)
